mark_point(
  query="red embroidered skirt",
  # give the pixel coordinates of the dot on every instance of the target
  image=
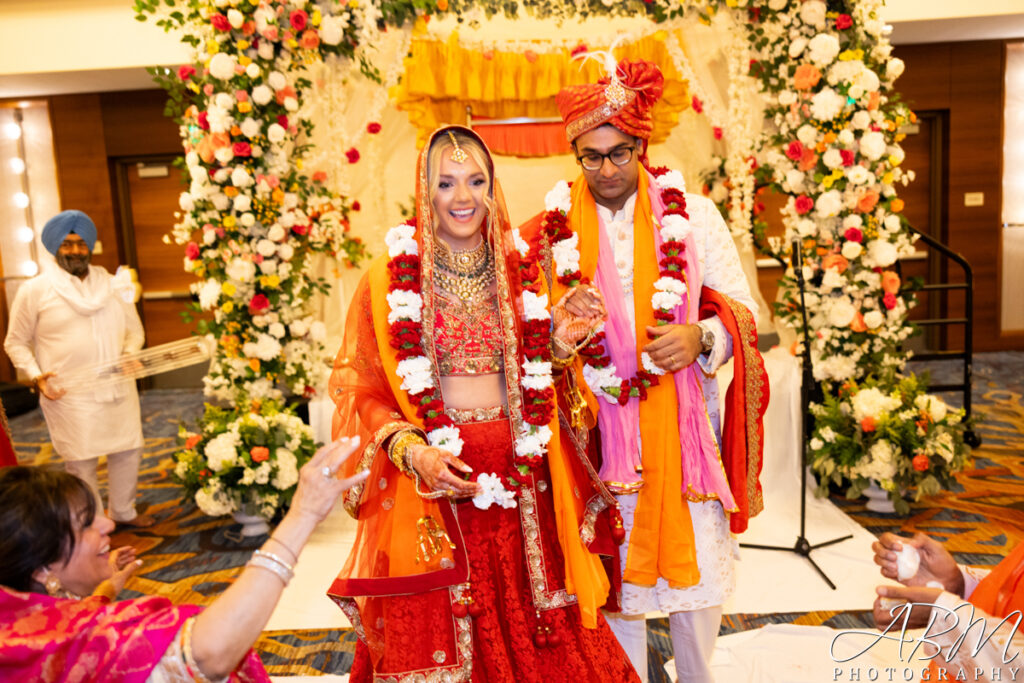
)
(503, 585)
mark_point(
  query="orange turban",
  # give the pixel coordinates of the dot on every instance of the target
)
(624, 101)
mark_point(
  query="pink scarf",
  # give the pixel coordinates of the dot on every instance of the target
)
(703, 474)
(58, 639)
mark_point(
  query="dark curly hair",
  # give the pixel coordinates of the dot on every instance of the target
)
(40, 508)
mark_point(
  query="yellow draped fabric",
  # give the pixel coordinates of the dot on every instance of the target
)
(442, 78)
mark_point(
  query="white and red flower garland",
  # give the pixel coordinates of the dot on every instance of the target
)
(405, 318)
(598, 369)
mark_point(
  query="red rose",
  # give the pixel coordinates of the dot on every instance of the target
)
(844, 21)
(867, 424)
(755, 14)
(803, 204)
(356, 206)
(259, 453)
(282, 121)
(847, 156)
(697, 105)
(220, 22)
(185, 71)
(241, 149)
(795, 150)
(298, 19)
(191, 441)
(192, 251)
(258, 304)
(300, 229)
(854, 235)
(921, 462)
(718, 132)
(373, 128)
(352, 155)
(203, 121)
(889, 300)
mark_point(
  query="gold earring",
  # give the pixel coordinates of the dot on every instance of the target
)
(53, 586)
(458, 154)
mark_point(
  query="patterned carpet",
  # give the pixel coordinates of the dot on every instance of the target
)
(191, 558)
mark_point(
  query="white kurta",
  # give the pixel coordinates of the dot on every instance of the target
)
(719, 268)
(53, 329)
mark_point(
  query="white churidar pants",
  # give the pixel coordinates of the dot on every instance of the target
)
(122, 481)
(693, 641)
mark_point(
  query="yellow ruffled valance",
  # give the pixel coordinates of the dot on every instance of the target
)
(442, 78)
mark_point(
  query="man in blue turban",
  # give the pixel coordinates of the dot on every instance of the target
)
(65, 323)
(70, 236)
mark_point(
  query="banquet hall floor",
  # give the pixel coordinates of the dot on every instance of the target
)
(191, 558)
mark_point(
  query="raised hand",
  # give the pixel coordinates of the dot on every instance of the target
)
(434, 467)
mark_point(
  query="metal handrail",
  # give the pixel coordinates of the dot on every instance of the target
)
(967, 321)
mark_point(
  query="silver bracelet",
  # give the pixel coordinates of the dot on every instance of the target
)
(261, 562)
(275, 558)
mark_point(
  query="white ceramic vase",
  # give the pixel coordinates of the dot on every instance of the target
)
(252, 525)
(878, 498)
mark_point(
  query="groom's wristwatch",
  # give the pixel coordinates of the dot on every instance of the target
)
(707, 337)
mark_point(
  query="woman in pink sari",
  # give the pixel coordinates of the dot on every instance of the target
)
(55, 547)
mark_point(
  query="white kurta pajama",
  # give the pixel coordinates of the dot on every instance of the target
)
(695, 611)
(61, 323)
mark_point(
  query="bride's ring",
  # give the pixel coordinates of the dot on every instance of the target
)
(326, 471)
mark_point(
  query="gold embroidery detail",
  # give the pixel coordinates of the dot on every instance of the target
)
(542, 597)
(598, 116)
(594, 508)
(355, 494)
(755, 390)
(464, 415)
(432, 538)
(459, 155)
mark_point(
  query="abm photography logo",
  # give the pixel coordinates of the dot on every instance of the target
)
(956, 645)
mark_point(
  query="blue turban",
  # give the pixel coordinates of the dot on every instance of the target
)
(65, 223)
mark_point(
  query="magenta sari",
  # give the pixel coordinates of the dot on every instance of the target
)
(58, 639)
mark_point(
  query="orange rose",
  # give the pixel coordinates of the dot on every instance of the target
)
(259, 453)
(809, 159)
(867, 201)
(442, 5)
(309, 40)
(806, 77)
(191, 441)
(857, 324)
(873, 100)
(890, 282)
(209, 145)
(867, 424)
(896, 205)
(837, 261)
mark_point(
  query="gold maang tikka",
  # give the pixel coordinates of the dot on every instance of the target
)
(458, 154)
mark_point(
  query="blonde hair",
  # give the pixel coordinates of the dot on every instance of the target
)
(441, 145)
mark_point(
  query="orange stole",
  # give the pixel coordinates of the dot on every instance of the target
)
(661, 542)
(584, 574)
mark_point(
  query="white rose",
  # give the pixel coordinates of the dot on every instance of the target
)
(776, 5)
(565, 254)
(852, 250)
(823, 48)
(266, 248)
(253, 70)
(882, 253)
(250, 128)
(235, 18)
(806, 227)
(858, 175)
(318, 331)
(222, 66)
(796, 47)
(209, 293)
(832, 279)
(242, 203)
(672, 180)
(276, 133)
(826, 104)
(285, 252)
(277, 80)
(813, 13)
(897, 154)
(299, 328)
(559, 198)
(224, 154)
(240, 177)
(670, 284)
(795, 180)
(675, 228)
(829, 204)
(894, 68)
(852, 221)
(665, 300)
(247, 220)
(841, 312)
(276, 233)
(266, 50)
(874, 319)
(276, 330)
(832, 158)
(240, 270)
(892, 222)
(220, 201)
(846, 137)
(861, 120)
(807, 135)
(261, 95)
(872, 145)
(268, 266)
(291, 104)
(787, 97)
(332, 30)
(185, 202)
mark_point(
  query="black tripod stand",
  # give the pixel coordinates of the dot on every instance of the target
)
(809, 391)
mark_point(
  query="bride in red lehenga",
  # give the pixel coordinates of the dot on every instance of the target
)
(476, 555)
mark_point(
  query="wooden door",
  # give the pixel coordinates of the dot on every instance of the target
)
(148, 190)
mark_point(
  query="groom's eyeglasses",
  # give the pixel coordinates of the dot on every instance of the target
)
(620, 156)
